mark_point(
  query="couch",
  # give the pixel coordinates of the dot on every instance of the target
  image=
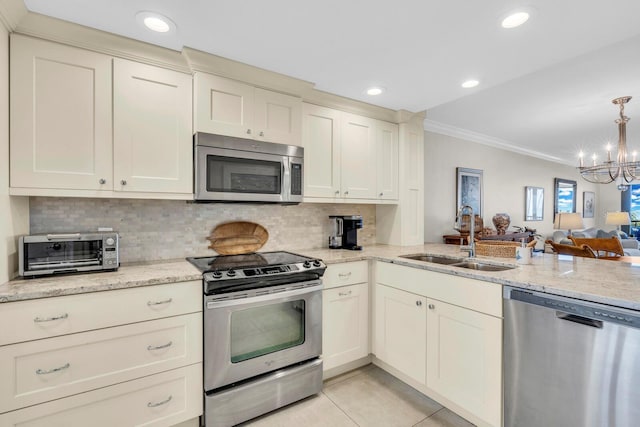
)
(630, 246)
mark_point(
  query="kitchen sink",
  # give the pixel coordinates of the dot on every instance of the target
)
(433, 258)
(481, 266)
(458, 262)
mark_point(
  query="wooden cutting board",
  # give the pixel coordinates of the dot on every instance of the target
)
(238, 237)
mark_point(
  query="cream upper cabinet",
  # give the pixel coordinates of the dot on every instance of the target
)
(400, 330)
(386, 135)
(349, 157)
(61, 107)
(321, 141)
(345, 314)
(464, 358)
(97, 125)
(151, 129)
(228, 107)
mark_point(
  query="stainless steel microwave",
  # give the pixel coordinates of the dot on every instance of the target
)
(232, 169)
(42, 254)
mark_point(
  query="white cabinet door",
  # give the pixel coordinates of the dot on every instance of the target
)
(345, 324)
(321, 142)
(387, 160)
(277, 117)
(358, 158)
(401, 331)
(60, 104)
(464, 358)
(152, 129)
(222, 106)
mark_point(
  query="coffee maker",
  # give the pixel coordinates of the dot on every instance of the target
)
(345, 235)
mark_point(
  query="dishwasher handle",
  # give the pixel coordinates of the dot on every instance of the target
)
(579, 319)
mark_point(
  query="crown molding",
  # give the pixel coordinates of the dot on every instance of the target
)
(456, 132)
(11, 13)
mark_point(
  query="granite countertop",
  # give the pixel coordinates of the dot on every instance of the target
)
(609, 282)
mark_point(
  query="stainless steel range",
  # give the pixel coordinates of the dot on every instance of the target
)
(262, 333)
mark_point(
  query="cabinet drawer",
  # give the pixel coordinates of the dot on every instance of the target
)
(43, 370)
(159, 400)
(49, 317)
(347, 273)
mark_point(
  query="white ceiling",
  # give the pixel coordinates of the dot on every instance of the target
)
(545, 87)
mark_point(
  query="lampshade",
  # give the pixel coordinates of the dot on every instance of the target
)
(618, 218)
(568, 221)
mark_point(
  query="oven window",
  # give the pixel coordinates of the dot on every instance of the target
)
(266, 329)
(233, 175)
(41, 256)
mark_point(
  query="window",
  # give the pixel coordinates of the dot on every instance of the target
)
(631, 204)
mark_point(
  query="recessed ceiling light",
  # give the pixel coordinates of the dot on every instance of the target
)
(155, 22)
(470, 83)
(373, 91)
(515, 19)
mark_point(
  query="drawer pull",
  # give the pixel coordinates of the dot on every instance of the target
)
(50, 319)
(344, 275)
(344, 294)
(166, 301)
(164, 402)
(159, 347)
(51, 371)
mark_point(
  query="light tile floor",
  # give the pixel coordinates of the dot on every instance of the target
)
(366, 397)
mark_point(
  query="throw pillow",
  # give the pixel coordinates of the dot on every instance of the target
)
(607, 234)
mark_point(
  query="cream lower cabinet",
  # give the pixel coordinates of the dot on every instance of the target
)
(400, 331)
(345, 314)
(443, 332)
(88, 124)
(464, 358)
(229, 107)
(354, 157)
(122, 357)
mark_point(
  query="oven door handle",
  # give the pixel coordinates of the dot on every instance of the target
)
(265, 298)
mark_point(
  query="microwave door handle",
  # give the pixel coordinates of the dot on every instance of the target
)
(63, 236)
(286, 179)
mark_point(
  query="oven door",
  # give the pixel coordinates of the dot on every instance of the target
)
(246, 337)
(233, 175)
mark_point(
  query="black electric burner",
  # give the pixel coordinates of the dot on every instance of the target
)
(231, 273)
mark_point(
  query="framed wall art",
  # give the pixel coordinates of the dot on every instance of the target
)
(565, 196)
(469, 189)
(588, 204)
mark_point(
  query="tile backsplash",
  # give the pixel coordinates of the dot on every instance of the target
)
(169, 229)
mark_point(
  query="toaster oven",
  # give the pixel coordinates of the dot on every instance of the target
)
(44, 254)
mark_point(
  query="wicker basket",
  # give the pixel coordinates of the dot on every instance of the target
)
(496, 248)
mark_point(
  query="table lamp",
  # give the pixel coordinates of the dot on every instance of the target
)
(568, 221)
(618, 219)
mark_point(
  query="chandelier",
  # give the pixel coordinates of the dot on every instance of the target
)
(620, 170)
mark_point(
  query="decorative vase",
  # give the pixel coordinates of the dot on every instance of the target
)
(501, 221)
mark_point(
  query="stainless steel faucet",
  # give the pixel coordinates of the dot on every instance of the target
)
(471, 247)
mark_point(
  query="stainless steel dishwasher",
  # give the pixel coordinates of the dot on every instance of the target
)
(569, 363)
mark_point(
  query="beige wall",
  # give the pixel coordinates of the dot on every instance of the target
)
(14, 211)
(505, 175)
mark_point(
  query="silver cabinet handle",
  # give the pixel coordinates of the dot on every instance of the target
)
(166, 301)
(248, 131)
(344, 294)
(164, 402)
(102, 181)
(50, 319)
(123, 182)
(381, 194)
(344, 275)
(159, 347)
(337, 191)
(51, 371)
(418, 303)
(431, 306)
(346, 192)
(261, 133)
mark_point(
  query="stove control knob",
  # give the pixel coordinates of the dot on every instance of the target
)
(317, 263)
(231, 273)
(110, 241)
(306, 264)
(216, 274)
